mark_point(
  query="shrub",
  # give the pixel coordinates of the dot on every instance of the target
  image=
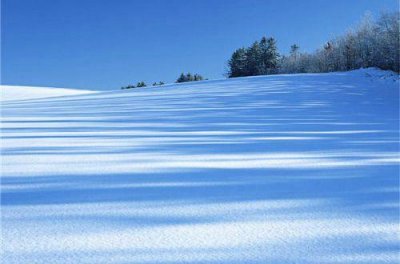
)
(141, 84)
(189, 77)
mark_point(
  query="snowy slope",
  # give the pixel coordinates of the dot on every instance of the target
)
(276, 169)
(9, 92)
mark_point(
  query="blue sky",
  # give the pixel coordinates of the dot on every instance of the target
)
(104, 44)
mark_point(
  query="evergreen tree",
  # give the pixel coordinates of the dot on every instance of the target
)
(141, 84)
(237, 64)
(264, 56)
(260, 58)
(129, 86)
(182, 78)
(188, 77)
(272, 56)
(197, 77)
(253, 55)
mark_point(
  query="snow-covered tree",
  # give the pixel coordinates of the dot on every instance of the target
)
(373, 43)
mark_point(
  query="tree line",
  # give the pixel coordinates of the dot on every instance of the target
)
(139, 85)
(373, 43)
(188, 77)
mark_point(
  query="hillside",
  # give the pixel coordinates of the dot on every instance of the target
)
(12, 93)
(271, 169)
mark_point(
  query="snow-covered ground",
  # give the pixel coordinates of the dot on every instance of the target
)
(12, 93)
(278, 169)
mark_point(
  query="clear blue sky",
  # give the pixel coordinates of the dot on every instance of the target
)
(104, 44)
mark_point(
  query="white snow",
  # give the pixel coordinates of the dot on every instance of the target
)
(11, 93)
(272, 169)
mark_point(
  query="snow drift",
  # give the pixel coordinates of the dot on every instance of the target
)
(271, 169)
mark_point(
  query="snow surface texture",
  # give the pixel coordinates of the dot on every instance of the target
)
(11, 93)
(278, 169)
